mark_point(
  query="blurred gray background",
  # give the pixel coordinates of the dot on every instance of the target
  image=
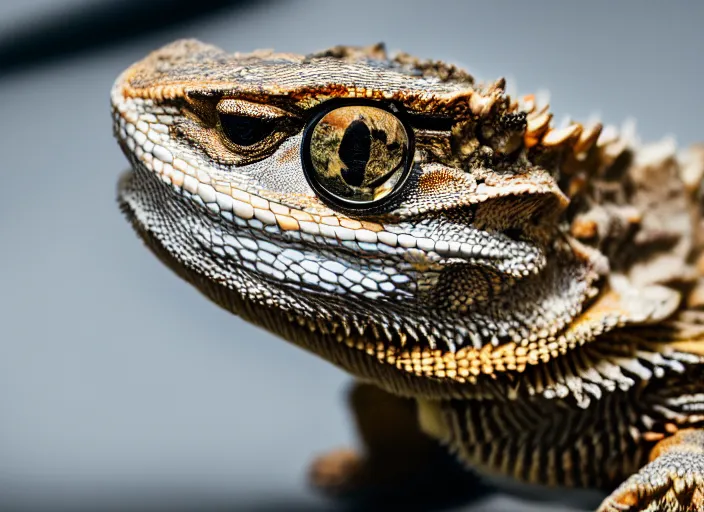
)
(120, 386)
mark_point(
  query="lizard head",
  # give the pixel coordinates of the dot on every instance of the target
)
(391, 215)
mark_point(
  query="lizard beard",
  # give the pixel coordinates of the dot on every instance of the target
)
(446, 307)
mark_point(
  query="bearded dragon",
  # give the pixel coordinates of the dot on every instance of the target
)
(533, 291)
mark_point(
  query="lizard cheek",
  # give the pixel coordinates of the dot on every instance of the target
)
(356, 156)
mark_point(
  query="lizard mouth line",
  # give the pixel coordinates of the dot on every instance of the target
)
(252, 213)
(249, 210)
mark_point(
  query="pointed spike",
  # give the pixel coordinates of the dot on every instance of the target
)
(539, 112)
(481, 105)
(387, 333)
(499, 85)
(535, 128)
(587, 138)
(476, 339)
(402, 338)
(561, 136)
(359, 326)
(527, 103)
(412, 333)
(609, 134)
(375, 331)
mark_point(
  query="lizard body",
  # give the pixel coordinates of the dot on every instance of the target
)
(536, 290)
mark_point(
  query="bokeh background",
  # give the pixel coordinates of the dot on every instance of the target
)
(121, 388)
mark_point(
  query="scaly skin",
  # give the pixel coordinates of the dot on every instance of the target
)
(535, 291)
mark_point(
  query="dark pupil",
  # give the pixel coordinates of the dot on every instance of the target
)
(245, 130)
(354, 152)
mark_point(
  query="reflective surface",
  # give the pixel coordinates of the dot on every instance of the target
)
(358, 154)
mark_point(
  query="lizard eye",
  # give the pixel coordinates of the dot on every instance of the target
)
(252, 131)
(245, 130)
(356, 156)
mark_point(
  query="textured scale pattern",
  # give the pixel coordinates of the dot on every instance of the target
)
(537, 289)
